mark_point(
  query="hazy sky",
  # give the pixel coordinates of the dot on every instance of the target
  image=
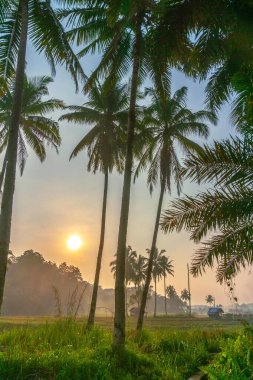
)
(58, 198)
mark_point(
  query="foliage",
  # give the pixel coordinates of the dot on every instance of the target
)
(36, 130)
(185, 295)
(175, 303)
(106, 111)
(227, 209)
(210, 299)
(235, 361)
(221, 53)
(46, 33)
(33, 286)
(62, 351)
(168, 121)
(162, 265)
(132, 270)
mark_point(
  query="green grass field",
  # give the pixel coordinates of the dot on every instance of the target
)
(170, 348)
(173, 321)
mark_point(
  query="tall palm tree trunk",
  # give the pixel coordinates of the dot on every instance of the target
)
(151, 260)
(120, 318)
(165, 299)
(155, 299)
(2, 174)
(138, 295)
(126, 295)
(9, 183)
(92, 312)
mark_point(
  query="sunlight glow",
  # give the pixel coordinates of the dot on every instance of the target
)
(74, 242)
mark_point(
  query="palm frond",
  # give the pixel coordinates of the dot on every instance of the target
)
(226, 162)
(9, 40)
(208, 211)
(48, 36)
(22, 153)
(86, 141)
(81, 115)
(231, 249)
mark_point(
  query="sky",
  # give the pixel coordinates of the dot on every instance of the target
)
(58, 198)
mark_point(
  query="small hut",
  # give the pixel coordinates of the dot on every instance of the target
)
(215, 312)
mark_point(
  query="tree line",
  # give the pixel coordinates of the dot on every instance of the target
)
(35, 286)
(204, 39)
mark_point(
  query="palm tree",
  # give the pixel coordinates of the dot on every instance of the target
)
(130, 264)
(171, 292)
(106, 111)
(157, 271)
(36, 130)
(139, 276)
(123, 32)
(210, 299)
(169, 121)
(161, 267)
(18, 19)
(227, 208)
(134, 19)
(186, 297)
(167, 268)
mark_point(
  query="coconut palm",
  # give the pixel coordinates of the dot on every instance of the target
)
(107, 112)
(130, 258)
(157, 272)
(123, 32)
(167, 268)
(20, 19)
(210, 299)
(35, 129)
(170, 122)
(186, 297)
(175, 303)
(227, 208)
(139, 276)
(161, 268)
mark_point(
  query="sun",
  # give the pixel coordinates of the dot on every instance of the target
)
(74, 242)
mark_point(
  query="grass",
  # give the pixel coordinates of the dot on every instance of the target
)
(171, 321)
(235, 361)
(62, 350)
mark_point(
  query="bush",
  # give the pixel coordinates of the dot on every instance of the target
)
(235, 360)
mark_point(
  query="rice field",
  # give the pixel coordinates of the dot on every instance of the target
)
(169, 348)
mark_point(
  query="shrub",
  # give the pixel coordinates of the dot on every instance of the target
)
(235, 360)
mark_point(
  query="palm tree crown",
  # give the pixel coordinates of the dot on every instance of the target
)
(169, 122)
(36, 130)
(209, 299)
(106, 111)
(46, 34)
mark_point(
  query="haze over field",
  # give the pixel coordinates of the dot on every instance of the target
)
(60, 198)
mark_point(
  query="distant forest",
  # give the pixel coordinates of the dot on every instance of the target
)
(35, 286)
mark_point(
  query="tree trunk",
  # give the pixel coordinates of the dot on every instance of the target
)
(10, 174)
(3, 171)
(155, 299)
(151, 259)
(189, 290)
(92, 312)
(138, 295)
(165, 299)
(120, 318)
(126, 293)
